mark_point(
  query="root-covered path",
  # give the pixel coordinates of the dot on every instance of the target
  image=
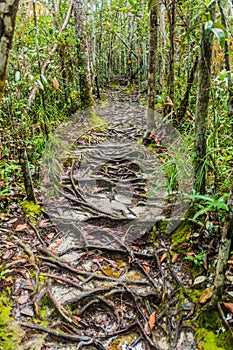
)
(105, 265)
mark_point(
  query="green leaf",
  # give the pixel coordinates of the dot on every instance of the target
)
(209, 2)
(201, 212)
(220, 26)
(219, 33)
(151, 3)
(208, 26)
(221, 205)
(133, 4)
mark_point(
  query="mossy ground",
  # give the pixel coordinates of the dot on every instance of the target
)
(10, 331)
(32, 211)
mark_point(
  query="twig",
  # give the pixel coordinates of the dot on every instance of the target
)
(61, 310)
(69, 337)
(37, 233)
(62, 279)
(38, 298)
(220, 310)
(89, 274)
(27, 250)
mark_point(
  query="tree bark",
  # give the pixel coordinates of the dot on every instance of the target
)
(224, 251)
(204, 83)
(8, 11)
(169, 107)
(152, 67)
(163, 40)
(82, 55)
(185, 101)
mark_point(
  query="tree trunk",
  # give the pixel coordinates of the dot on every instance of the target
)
(224, 251)
(152, 67)
(131, 25)
(204, 81)
(163, 40)
(169, 107)
(185, 101)
(82, 55)
(8, 11)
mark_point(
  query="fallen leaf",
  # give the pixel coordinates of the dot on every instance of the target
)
(55, 83)
(229, 306)
(51, 235)
(207, 294)
(199, 280)
(146, 267)
(174, 258)
(152, 320)
(44, 223)
(23, 299)
(163, 257)
(21, 227)
(147, 329)
(6, 255)
(59, 242)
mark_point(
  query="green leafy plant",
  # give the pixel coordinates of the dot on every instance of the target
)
(3, 273)
(197, 259)
(207, 203)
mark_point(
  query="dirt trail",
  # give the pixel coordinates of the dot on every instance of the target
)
(110, 287)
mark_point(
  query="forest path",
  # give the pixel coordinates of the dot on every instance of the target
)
(111, 288)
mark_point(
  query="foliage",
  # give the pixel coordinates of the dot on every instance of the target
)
(197, 259)
(207, 204)
(10, 331)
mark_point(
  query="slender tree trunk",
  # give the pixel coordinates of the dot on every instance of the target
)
(8, 11)
(227, 63)
(152, 67)
(131, 23)
(171, 70)
(82, 55)
(185, 101)
(224, 251)
(204, 84)
(162, 36)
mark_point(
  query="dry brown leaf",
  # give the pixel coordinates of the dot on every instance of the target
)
(44, 223)
(6, 255)
(51, 235)
(147, 329)
(229, 306)
(174, 258)
(55, 83)
(163, 257)
(59, 242)
(21, 227)
(207, 294)
(23, 299)
(152, 320)
(146, 267)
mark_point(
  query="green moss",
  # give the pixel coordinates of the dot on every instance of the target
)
(210, 319)
(179, 236)
(97, 124)
(10, 331)
(209, 340)
(210, 335)
(129, 89)
(31, 210)
(140, 141)
(194, 295)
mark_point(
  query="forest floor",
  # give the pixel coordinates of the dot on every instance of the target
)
(91, 267)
